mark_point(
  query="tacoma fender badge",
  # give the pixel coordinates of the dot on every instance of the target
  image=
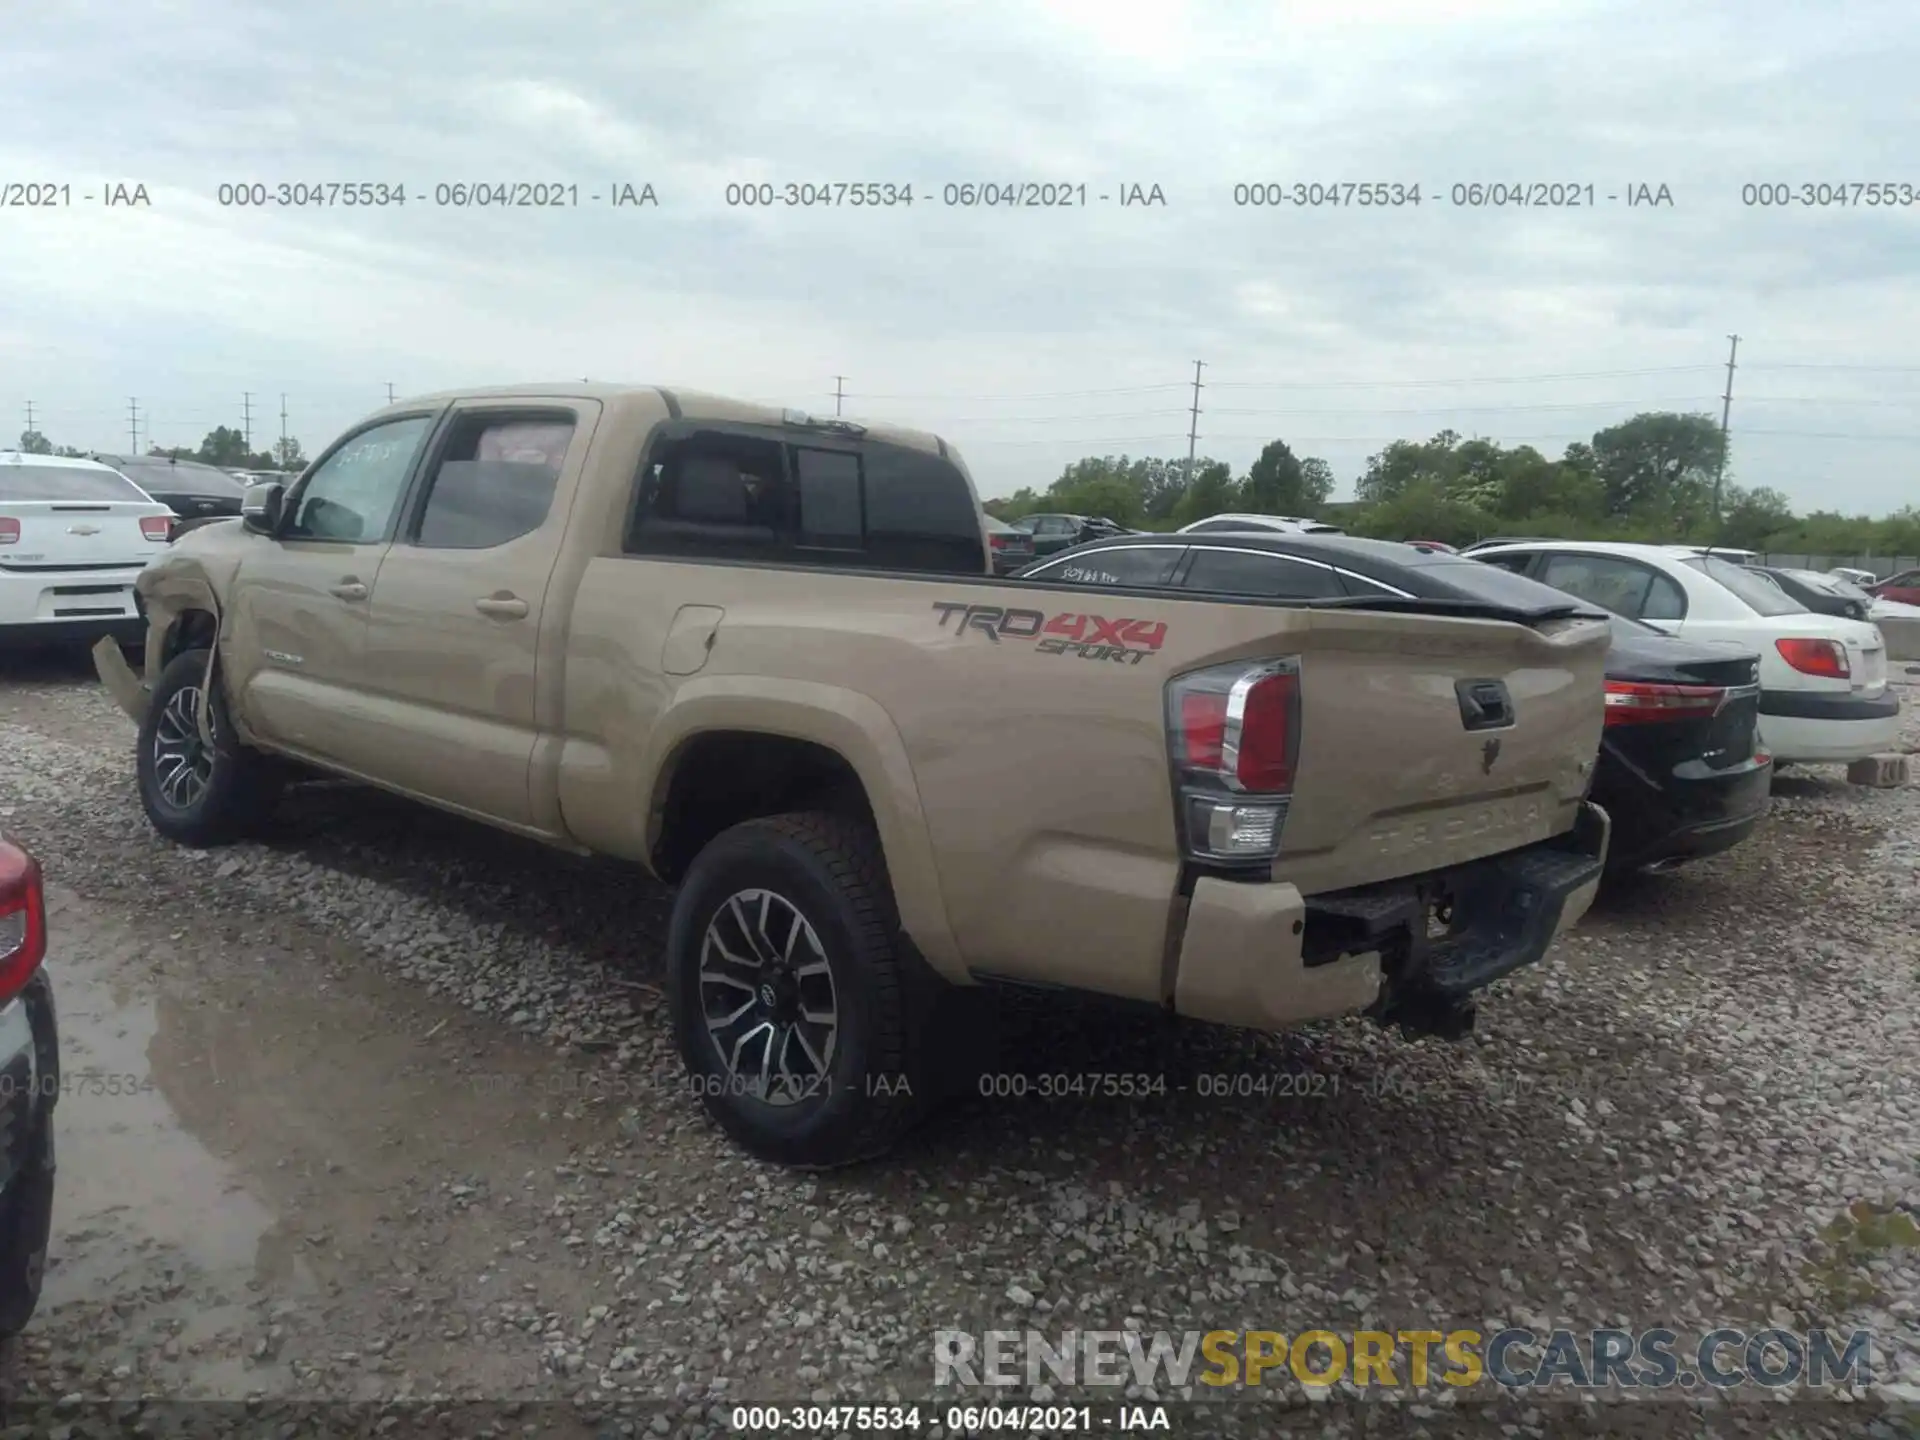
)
(280, 657)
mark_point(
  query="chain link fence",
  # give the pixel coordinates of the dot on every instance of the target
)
(1883, 566)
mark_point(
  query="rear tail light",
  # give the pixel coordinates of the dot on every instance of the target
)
(157, 527)
(1233, 734)
(23, 920)
(998, 542)
(1826, 658)
(9, 530)
(1632, 703)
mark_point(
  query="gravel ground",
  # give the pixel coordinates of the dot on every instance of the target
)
(412, 1128)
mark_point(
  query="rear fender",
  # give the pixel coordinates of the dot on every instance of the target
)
(856, 728)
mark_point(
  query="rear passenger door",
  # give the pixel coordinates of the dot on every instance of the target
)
(454, 626)
(1625, 586)
(1145, 567)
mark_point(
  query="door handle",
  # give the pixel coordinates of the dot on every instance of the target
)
(501, 607)
(348, 590)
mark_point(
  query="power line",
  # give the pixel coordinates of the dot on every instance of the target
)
(1031, 395)
(1815, 365)
(981, 442)
(1457, 379)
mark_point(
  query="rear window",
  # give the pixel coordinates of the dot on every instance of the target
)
(1756, 592)
(722, 494)
(59, 483)
(183, 480)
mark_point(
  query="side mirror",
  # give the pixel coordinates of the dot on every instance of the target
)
(260, 508)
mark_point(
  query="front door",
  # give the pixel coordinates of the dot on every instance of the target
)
(453, 645)
(298, 605)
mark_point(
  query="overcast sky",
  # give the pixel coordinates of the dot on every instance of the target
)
(1028, 337)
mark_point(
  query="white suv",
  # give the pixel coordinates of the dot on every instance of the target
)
(1823, 678)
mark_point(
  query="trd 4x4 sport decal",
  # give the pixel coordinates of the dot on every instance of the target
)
(1091, 637)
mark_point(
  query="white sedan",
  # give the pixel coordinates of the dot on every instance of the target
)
(73, 535)
(1823, 678)
(1234, 522)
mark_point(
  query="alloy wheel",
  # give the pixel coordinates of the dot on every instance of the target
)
(767, 997)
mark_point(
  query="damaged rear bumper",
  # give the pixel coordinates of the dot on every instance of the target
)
(1411, 952)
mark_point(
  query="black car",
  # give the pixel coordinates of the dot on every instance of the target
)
(1054, 533)
(1822, 594)
(1679, 769)
(195, 492)
(1010, 547)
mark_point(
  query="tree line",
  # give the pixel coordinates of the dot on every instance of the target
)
(223, 446)
(1650, 478)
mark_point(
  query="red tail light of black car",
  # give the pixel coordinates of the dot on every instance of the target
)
(1233, 734)
(1631, 702)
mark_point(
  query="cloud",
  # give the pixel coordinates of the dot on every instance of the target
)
(195, 302)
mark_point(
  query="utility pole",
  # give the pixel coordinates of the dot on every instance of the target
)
(246, 419)
(389, 392)
(283, 427)
(29, 414)
(1193, 431)
(133, 425)
(839, 392)
(1726, 410)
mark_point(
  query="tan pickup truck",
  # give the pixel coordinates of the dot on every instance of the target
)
(764, 656)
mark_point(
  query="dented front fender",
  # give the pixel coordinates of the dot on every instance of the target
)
(129, 691)
(170, 586)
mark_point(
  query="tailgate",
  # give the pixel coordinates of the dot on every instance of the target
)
(1428, 741)
(78, 535)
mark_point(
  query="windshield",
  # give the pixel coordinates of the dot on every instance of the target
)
(59, 483)
(1758, 593)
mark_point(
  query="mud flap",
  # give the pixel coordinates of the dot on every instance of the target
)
(128, 690)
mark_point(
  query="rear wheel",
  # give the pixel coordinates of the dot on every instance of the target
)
(793, 994)
(197, 793)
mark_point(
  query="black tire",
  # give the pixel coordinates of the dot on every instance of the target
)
(828, 870)
(26, 1226)
(240, 785)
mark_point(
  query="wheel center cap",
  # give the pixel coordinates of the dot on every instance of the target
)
(767, 996)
